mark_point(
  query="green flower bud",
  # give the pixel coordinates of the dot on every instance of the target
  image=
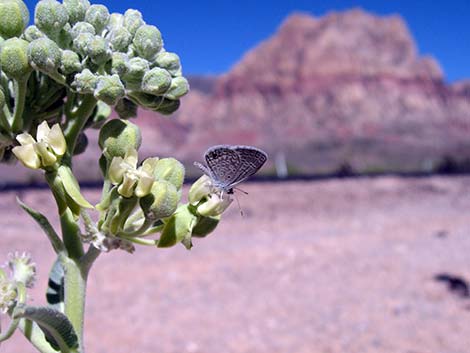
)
(32, 32)
(201, 188)
(76, 9)
(161, 202)
(170, 62)
(126, 109)
(116, 20)
(50, 17)
(156, 81)
(179, 87)
(70, 62)
(85, 82)
(148, 42)
(98, 50)
(205, 226)
(215, 205)
(137, 69)
(109, 89)
(64, 39)
(8, 294)
(147, 101)
(81, 27)
(98, 16)
(167, 106)
(81, 42)
(118, 136)
(120, 38)
(119, 64)
(171, 170)
(133, 20)
(13, 19)
(44, 55)
(14, 58)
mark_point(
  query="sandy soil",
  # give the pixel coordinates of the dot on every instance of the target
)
(328, 267)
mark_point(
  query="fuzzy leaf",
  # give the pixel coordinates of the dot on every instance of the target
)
(56, 326)
(45, 226)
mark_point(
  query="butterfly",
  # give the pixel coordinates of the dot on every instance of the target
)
(228, 166)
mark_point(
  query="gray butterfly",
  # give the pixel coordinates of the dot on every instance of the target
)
(228, 165)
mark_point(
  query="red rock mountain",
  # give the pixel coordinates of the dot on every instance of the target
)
(349, 87)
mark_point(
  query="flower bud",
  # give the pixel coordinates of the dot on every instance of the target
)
(70, 62)
(215, 205)
(81, 27)
(118, 136)
(201, 188)
(98, 50)
(98, 16)
(8, 294)
(120, 38)
(137, 69)
(161, 202)
(50, 17)
(171, 170)
(167, 106)
(126, 109)
(13, 19)
(169, 62)
(133, 20)
(14, 58)
(85, 82)
(148, 42)
(156, 81)
(22, 268)
(116, 20)
(76, 9)
(80, 43)
(44, 55)
(109, 89)
(32, 32)
(179, 87)
(119, 64)
(204, 226)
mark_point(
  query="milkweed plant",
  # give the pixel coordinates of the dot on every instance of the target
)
(60, 76)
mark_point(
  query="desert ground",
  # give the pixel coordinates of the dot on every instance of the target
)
(336, 266)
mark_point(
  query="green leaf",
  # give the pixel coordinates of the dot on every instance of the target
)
(55, 287)
(71, 186)
(178, 228)
(45, 226)
(56, 326)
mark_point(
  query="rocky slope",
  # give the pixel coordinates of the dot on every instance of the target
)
(348, 88)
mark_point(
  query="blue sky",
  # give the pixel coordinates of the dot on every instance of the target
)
(211, 36)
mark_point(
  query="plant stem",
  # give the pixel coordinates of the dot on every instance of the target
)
(71, 235)
(34, 334)
(21, 87)
(76, 121)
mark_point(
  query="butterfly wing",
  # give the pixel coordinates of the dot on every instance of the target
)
(251, 160)
(224, 164)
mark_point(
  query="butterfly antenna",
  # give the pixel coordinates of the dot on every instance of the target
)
(239, 207)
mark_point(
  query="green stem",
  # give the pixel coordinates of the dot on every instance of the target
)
(136, 232)
(71, 235)
(4, 116)
(76, 121)
(34, 334)
(140, 241)
(21, 88)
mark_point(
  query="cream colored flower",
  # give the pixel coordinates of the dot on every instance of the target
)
(45, 150)
(132, 180)
(216, 204)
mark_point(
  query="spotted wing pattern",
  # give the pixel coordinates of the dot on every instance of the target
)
(251, 160)
(224, 164)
